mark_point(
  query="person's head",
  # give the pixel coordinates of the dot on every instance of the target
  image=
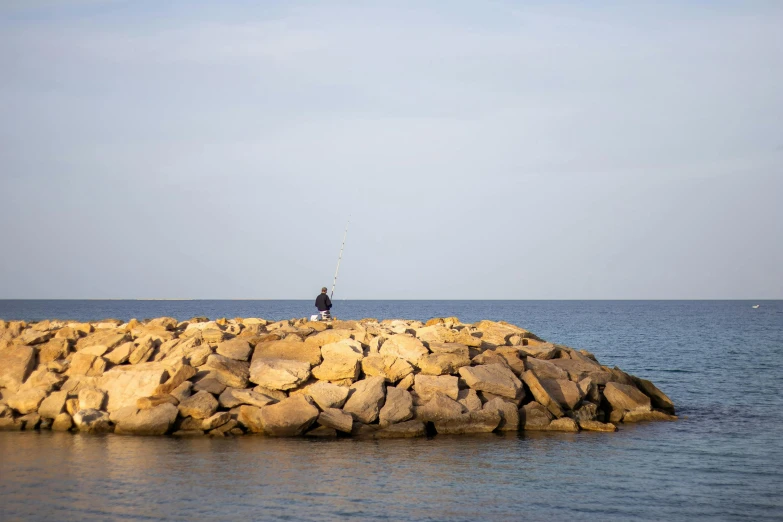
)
(323, 290)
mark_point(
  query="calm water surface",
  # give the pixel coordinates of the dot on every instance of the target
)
(720, 361)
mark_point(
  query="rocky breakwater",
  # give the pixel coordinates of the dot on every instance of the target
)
(365, 378)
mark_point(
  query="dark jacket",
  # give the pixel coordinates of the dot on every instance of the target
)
(322, 302)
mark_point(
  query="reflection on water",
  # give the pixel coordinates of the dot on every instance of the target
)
(637, 472)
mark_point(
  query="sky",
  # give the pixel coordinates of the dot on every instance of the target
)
(482, 150)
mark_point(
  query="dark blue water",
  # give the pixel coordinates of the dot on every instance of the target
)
(720, 361)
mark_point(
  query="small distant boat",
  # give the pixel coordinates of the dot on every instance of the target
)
(755, 306)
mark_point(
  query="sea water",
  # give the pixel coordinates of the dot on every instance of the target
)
(719, 361)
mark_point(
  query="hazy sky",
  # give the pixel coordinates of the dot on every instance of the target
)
(497, 150)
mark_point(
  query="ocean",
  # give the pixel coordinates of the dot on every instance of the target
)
(719, 361)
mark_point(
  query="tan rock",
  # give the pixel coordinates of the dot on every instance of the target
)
(451, 348)
(125, 384)
(199, 406)
(534, 416)
(659, 399)
(16, 364)
(237, 349)
(322, 432)
(53, 405)
(44, 379)
(120, 354)
(391, 368)
(86, 364)
(578, 370)
(593, 425)
(288, 418)
(337, 368)
(32, 337)
(72, 406)
(493, 378)
(181, 392)
(145, 403)
(469, 400)
(91, 399)
(483, 421)
(402, 430)
(153, 421)
(327, 395)
(442, 363)
(213, 335)
(543, 351)
(180, 375)
(198, 355)
(643, 415)
(27, 401)
(626, 397)
(439, 407)
(53, 350)
(406, 382)
(366, 399)
(541, 394)
(405, 347)
(565, 392)
(143, 351)
(233, 397)
(62, 422)
(436, 333)
(216, 420)
(279, 374)
(230, 372)
(328, 336)
(309, 353)
(209, 384)
(509, 415)
(563, 424)
(545, 369)
(336, 419)
(426, 386)
(398, 407)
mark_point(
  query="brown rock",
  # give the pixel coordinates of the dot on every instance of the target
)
(439, 407)
(327, 395)
(93, 421)
(53, 405)
(509, 415)
(154, 421)
(392, 369)
(182, 392)
(180, 375)
(62, 422)
(642, 415)
(593, 425)
(287, 349)
(145, 403)
(233, 397)
(565, 392)
(120, 354)
(534, 417)
(541, 394)
(402, 430)
(442, 363)
(208, 384)
(563, 424)
(469, 400)
(125, 384)
(545, 369)
(336, 368)
(659, 399)
(53, 350)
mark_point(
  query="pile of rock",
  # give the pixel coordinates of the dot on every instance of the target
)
(365, 378)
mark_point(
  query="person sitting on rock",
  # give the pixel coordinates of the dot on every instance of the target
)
(324, 304)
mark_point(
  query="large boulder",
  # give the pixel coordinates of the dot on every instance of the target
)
(436, 333)
(279, 374)
(230, 372)
(545, 369)
(180, 375)
(509, 415)
(402, 430)
(492, 378)
(126, 384)
(427, 385)
(328, 336)
(626, 397)
(152, 421)
(565, 392)
(438, 408)
(288, 418)
(337, 419)
(397, 408)
(327, 395)
(237, 349)
(391, 368)
(405, 347)
(27, 401)
(443, 363)
(16, 364)
(294, 350)
(53, 350)
(659, 399)
(347, 348)
(580, 369)
(91, 399)
(337, 368)
(541, 394)
(53, 405)
(534, 416)
(199, 406)
(366, 399)
(483, 421)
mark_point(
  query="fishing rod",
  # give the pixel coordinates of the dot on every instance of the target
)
(340, 258)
